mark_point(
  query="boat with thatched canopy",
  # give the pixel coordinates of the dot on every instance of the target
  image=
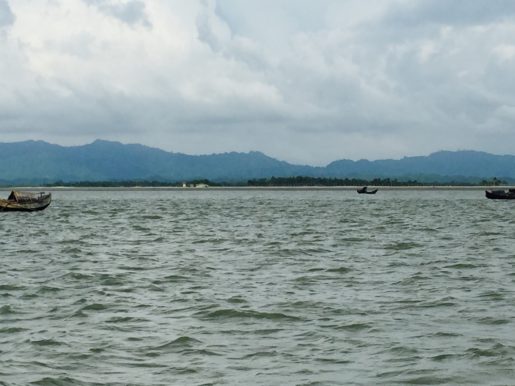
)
(25, 201)
(500, 194)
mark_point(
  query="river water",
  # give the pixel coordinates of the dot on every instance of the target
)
(259, 287)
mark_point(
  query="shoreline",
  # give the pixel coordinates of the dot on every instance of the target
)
(250, 188)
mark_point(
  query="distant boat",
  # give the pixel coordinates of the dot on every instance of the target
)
(364, 190)
(25, 201)
(500, 194)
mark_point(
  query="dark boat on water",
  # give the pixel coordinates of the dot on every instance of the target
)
(364, 190)
(500, 194)
(25, 202)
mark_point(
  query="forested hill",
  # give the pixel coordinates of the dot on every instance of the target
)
(443, 164)
(40, 162)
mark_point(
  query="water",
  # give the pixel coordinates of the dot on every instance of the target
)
(308, 287)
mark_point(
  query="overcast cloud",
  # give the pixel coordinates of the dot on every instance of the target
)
(308, 81)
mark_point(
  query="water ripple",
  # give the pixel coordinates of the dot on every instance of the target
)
(266, 287)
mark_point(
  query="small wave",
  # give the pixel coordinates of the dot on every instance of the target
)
(236, 300)
(489, 233)
(133, 268)
(11, 287)
(177, 345)
(46, 342)
(63, 381)
(174, 278)
(71, 250)
(185, 370)
(442, 334)
(354, 327)
(355, 239)
(431, 380)
(427, 229)
(247, 314)
(302, 280)
(11, 330)
(125, 319)
(151, 287)
(79, 314)
(313, 383)
(148, 365)
(389, 374)
(69, 242)
(260, 354)
(214, 241)
(444, 302)
(28, 252)
(78, 276)
(6, 310)
(413, 279)
(94, 307)
(489, 320)
(337, 361)
(137, 227)
(403, 350)
(201, 352)
(492, 295)
(339, 270)
(401, 246)
(314, 251)
(268, 331)
(302, 304)
(461, 266)
(98, 350)
(180, 341)
(112, 281)
(151, 217)
(443, 357)
(496, 350)
(46, 289)
(29, 296)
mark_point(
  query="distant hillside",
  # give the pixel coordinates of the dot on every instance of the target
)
(41, 162)
(38, 161)
(443, 164)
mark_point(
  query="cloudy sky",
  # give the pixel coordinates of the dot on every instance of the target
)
(307, 81)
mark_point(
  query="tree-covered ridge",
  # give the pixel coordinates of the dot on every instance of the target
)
(320, 181)
(296, 181)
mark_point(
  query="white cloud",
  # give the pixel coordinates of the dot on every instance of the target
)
(505, 52)
(301, 80)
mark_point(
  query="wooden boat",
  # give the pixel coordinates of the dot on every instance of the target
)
(25, 201)
(364, 190)
(500, 194)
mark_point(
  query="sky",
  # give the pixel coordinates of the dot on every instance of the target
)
(306, 81)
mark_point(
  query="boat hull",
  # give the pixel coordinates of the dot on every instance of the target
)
(31, 205)
(500, 195)
(366, 191)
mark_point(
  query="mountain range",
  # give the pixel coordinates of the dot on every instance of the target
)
(41, 162)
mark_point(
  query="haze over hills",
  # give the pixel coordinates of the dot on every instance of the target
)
(41, 162)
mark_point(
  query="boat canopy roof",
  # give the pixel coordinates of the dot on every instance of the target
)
(21, 196)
